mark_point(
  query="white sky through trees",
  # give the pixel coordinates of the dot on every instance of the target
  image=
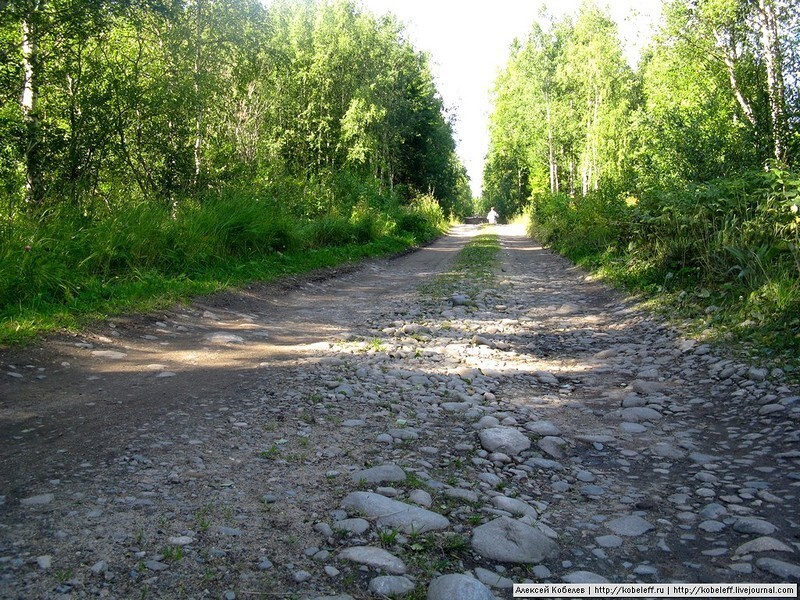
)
(469, 41)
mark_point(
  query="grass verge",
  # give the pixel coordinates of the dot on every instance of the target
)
(720, 260)
(69, 268)
(473, 270)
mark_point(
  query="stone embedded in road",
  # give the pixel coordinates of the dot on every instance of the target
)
(514, 506)
(609, 541)
(647, 388)
(109, 354)
(546, 377)
(224, 338)
(509, 540)
(584, 577)
(629, 427)
(641, 413)
(544, 463)
(181, 540)
(461, 587)
(393, 513)
(763, 544)
(460, 300)
(543, 428)
(355, 526)
(461, 494)
(391, 586)
(39, 500)
(779, 568)
(630, 526)
(754, 525)
(713, 511)
(492, 579)
(504, 439)
(703, 459)
(379, 474)
(712, 526)
(667, 450)
(420, 497)
(553, 445)
(377, 558)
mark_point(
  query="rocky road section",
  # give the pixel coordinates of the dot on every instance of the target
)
(364, 437)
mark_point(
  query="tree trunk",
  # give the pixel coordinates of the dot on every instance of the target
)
(768, 23)
(550, 152)
(729, 58)
(29, 103)
(198, 123)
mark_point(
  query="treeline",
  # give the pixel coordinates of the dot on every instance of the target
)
(159, 99)
(679, 175)
(162, 137)
(716, 94)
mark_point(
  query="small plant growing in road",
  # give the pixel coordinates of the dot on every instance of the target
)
(387, 537)
(172, 553)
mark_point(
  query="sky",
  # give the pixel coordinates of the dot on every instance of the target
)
(469, 40)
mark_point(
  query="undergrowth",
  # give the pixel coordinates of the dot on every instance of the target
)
(67, 266)
(723, 258)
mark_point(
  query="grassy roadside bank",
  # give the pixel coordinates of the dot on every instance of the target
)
(722, 261)
(68, 270)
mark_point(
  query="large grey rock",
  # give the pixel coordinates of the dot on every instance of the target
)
(584, 577)
(514, 506)
(667, 450)
(553, 445)
(543, 428)
(380, 474)
(356, 526)
(504, 439)
(492, 579)
(509, 540)
(109, 354)
(779, 568)
(754, 525)
(39, 500)
(391, 586)
(630, 526)
(393, 513)
(377, 558)
(222, 337)
(461, 587)
(640, 413)
(648, 388)
(763, 544)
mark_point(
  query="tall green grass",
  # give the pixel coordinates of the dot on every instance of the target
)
(71, 263)
(725, 253)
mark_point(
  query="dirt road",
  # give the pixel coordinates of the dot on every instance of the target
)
(352, 435)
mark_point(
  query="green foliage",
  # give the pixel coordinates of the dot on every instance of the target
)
(678, 179)
(730, 243)
(73, 262)
(423, 219)
(190, 145)
(558, 109)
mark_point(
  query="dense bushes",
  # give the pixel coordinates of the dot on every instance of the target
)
(730, 247)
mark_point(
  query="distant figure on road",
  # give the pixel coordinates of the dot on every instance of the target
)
(492, 216)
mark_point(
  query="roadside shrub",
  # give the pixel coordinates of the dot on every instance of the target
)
(329, 230)
(578, 227)
(423, 219)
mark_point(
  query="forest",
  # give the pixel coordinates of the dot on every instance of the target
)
(677, 176)
(155, 144)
